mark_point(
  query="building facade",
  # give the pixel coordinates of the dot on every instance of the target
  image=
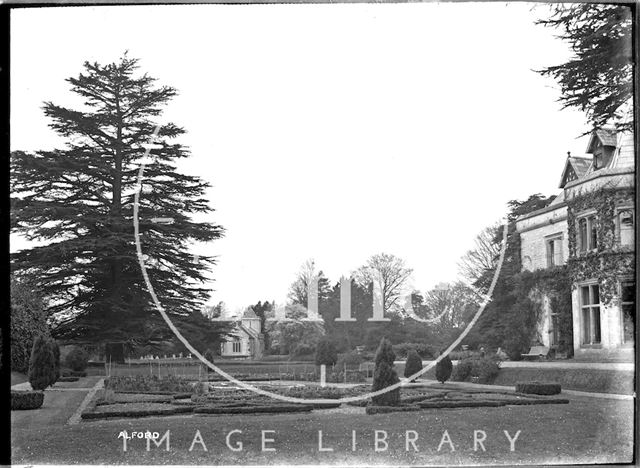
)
(590, 228)
(247, 341)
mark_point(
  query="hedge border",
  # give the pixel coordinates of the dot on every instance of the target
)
(538, 388)
(31, 399)
(253, 409)
(137, 413)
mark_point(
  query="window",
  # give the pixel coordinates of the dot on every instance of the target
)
(587, 233)
(628, 307)
(590, 308)
(554, 250)
(237, 347)
(624, 224)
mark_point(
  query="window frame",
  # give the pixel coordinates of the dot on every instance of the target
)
(591, 219)
(618, 225)
(549, 242)
(591, 307)
(237, 343)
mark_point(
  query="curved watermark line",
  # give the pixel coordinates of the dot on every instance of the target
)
(277, 396)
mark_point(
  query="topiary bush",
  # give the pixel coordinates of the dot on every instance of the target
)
(538, 388)
(21, 400)
(326, 353)
(413, 363)
(444, 369)
(42, 372)
(77, 359)
(384, 376)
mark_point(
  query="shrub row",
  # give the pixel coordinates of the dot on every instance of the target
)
(253, 409)
(24, 400)
(136, 413)
(374, 409)
(68, 379)
(538, 388)
(485, 368)
(424, 351)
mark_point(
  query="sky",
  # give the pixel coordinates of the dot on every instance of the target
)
(327, 131)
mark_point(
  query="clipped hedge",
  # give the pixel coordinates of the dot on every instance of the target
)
(136, 413)
(460, 404)
(68, 379)
(538, 388)
(253, 409)
(26, 400)
(375, 409)
(71, 373)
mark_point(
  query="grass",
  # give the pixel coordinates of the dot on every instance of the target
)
(584, 431)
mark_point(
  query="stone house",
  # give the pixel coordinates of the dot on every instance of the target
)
(247, 341)
(590, 228)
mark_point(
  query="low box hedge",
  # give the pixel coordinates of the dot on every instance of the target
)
(460, 404)
(374, 409)
(538, 388)
(136, 413)
(26, 400)
(68, 379)
(253, 409)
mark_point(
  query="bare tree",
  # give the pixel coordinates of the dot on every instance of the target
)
(452, 304)
(483, 257)
(298, 291)
(389, 273)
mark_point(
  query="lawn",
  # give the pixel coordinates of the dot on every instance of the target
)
(584, 431)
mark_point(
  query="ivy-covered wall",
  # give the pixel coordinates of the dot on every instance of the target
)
(611, 261)
(555, 284)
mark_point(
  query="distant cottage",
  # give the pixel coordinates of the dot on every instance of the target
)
(247, 341)
(590, 227)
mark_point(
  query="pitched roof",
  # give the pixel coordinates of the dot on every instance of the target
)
(578, 165)
(606, 135)
(249, 314)
(249, 331)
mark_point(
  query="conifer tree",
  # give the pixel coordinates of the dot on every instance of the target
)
(79, 200)
(413, 363)
(42, 364)
(384, 375)
(598, 79)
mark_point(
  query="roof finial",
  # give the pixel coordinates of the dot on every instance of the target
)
(568, 154)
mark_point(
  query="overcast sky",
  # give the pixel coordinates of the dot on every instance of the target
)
(332, 131)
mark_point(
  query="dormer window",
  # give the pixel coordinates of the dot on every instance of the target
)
(602, 145)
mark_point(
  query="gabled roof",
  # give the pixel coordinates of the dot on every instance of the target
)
(249, 314)
(606, 135)
(249, 331)
(576, 165)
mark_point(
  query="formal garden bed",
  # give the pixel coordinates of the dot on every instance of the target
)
(138, 396)
(457, 398)
(135, 410)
